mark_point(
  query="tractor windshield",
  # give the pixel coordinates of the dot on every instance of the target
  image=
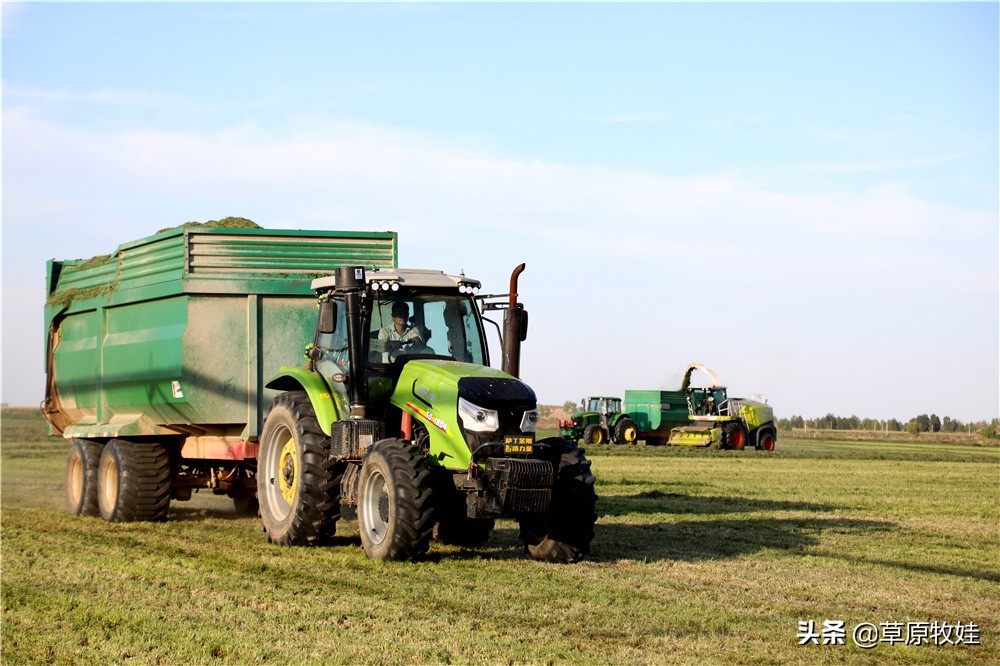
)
(604, 405)
(442, 324)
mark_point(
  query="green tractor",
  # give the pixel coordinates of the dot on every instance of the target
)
(723, 422)
(600, 422)
(398, 414)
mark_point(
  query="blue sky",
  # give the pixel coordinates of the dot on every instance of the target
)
(803, 197)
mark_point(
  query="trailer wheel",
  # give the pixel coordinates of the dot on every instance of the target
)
(766, 439)
(81, 478)
(299, 506)
(563, 535)
(133, 482)
(594, 434)
(395, 513)
(625, 432)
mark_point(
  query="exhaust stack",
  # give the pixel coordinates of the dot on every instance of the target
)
(350, 281)
(515, 328)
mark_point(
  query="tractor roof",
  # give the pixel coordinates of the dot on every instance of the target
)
(406, 277)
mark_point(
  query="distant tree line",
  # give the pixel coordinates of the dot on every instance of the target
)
(918, 424)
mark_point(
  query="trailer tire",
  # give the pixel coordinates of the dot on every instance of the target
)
(625, 432)
(395, 510)
(299, 501)
(81, 477)
(594, 434)
(563, 535)
(133, 482)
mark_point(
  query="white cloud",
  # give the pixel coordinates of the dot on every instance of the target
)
(642, 250)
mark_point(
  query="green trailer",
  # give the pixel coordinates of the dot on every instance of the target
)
(656, 412)
(172, 338)
(296, 371)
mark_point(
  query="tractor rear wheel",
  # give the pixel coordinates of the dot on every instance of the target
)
(81, 478)
(563, 535)
(133, 482)
(395, 512)
(299, 504)
(594, 434)
(625, 432)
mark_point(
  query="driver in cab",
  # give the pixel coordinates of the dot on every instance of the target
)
(399, 333)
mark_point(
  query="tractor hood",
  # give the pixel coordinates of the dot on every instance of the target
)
(431, 392)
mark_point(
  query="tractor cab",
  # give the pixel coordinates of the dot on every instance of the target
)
(603, 407)
(407, 315)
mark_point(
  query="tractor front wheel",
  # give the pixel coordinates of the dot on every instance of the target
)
(395, 513)
(594, 434)
(299, 501)
(563, 535)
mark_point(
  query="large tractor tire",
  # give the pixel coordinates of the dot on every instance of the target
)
(133, 482)
(766, 439)
(734, 436)
(564, 534)
(81, 478)
(594, 434)
(299, 502)
(625, 431)
(395, 510)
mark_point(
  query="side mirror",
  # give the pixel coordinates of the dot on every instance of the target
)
(327, 317)
(524, 325)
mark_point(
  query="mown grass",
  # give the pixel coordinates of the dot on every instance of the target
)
(700, 557)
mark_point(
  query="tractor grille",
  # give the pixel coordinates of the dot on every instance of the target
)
(518, 486)
(521, 473)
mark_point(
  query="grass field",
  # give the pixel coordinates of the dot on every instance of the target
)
(700, 557)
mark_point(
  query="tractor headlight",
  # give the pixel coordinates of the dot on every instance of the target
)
(476, 418)
(529, 420)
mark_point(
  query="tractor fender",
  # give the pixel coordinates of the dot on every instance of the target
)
(327, 404)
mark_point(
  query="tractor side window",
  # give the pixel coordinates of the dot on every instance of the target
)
(334, 346)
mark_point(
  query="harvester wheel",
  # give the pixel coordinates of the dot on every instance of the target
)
(594, 434)
(564, 534)
(133, 482)
(766, 439)
(395, 513)
(734, 436)
(81, 478)
(298, 503)
(625, 432)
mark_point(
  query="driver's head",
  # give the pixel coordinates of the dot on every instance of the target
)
(400, 310)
